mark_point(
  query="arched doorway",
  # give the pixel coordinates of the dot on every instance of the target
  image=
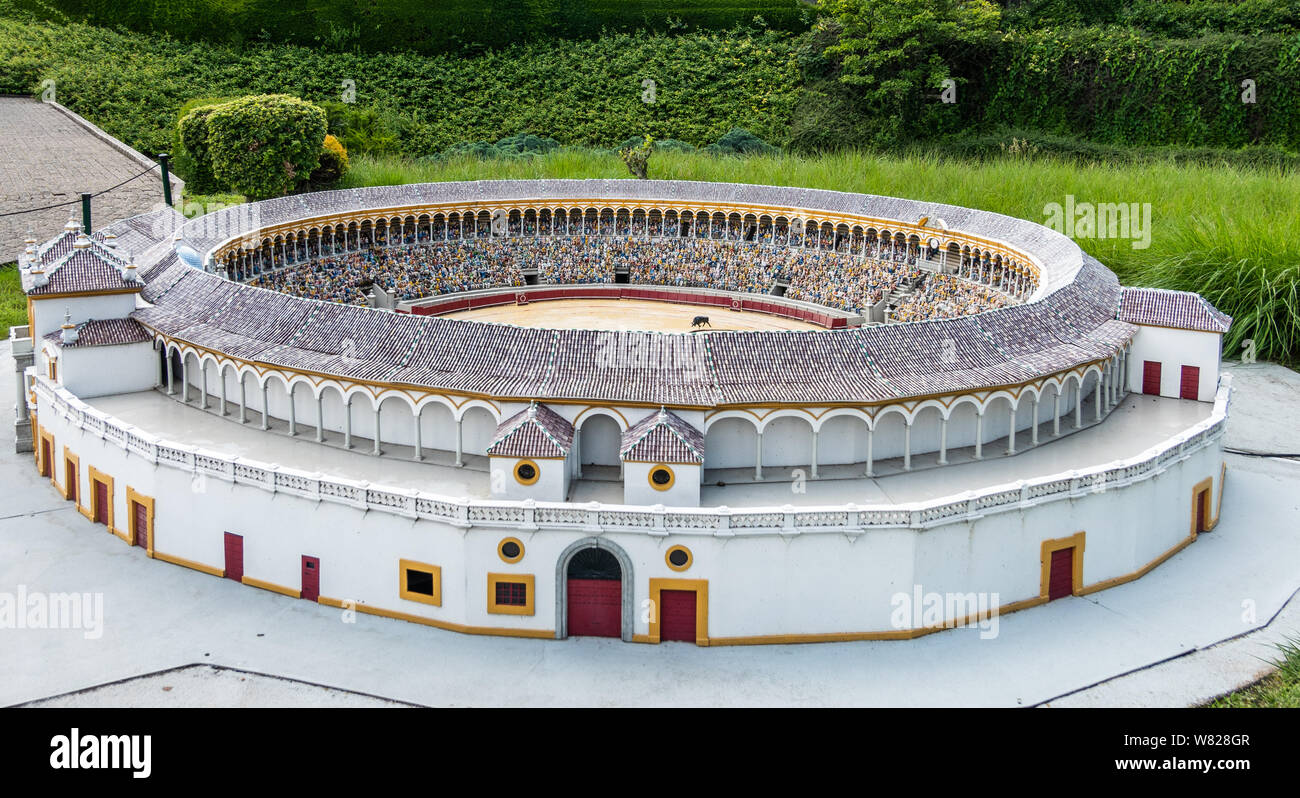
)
(595, 587)
(593, 596)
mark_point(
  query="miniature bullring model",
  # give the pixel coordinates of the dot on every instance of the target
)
(711, 486)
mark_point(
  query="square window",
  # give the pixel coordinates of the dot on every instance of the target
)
(512, 594)
(419, 582)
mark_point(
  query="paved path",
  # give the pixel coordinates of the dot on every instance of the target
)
(50, 156)
(159, 616)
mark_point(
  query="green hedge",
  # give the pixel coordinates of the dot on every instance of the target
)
(1120, 87)
(416, 25)
(579, 92)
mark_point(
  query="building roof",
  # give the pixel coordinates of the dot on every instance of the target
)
(104, 332)
(75, 263)
(1183, 310)
(1071, 319)
(662, 437)
(536, 431)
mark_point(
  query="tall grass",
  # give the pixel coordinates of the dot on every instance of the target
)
(1231, 234)
(13, 302)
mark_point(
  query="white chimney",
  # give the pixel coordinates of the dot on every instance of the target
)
(69, 330)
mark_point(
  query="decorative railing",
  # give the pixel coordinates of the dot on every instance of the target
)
(597, 518)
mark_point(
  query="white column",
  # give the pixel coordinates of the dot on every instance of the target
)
(203, 377)
(907, 445)
(171, 377)
(577, 454)
(979, 433)
(1078, 404)
(419, 441)
(376, 449)
(243, 401)
(814, 453)
(347, 423)
(1056, 413)
(870, 434)
(459, 446)
(1097, 402)
(221, 375)
(1011, 436)
(320, 417)
(293, 413)
(943, 440)
(266, 413)
(1033, 437)
(758, 447)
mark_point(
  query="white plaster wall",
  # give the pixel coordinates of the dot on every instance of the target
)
(1174, 349)
(685, 491)
(552, 483)
(47, 314)
(102, 370)
(761, 584)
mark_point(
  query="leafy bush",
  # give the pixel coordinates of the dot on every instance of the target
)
(192, 156)
(739, 141)
(363, 130)
(334, 164)
(264, 145)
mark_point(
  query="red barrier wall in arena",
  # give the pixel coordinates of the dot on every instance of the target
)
(437, 306)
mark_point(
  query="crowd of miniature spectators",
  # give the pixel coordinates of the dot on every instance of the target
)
(411, 265)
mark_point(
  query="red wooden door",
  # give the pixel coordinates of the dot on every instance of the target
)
(46, 467)
(1060, 581)
(71, 480)
(1202, 509)
(140, 519)
(310, 578)
(677, 615)
(234, 557)
(595, 607)
(101, 502)
(1151, 377)
(1190, 385)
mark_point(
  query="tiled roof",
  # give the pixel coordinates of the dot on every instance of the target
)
(1071, 320)
(74, 263)
(105, 332)
(536, 431)
(1164, 308)
(662, 437)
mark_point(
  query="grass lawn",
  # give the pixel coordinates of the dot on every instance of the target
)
(13, 303)
(1279, 689)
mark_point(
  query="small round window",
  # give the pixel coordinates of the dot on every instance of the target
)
(679, 558)
(661, 477)
(510, 550)
(526, 472)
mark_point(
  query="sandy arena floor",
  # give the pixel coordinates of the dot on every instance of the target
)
(626, 314)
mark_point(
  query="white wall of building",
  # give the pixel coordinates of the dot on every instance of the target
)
(552, 483)
(1174, 349)
(759, 583)
(104, 370)
(48, 314)
(685, 490)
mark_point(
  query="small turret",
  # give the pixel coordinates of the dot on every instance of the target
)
(69, 330)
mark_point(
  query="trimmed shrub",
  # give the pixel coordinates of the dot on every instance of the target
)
(264, 145)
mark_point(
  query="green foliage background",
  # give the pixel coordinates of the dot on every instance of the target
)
(579, 92)
(416, 26)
